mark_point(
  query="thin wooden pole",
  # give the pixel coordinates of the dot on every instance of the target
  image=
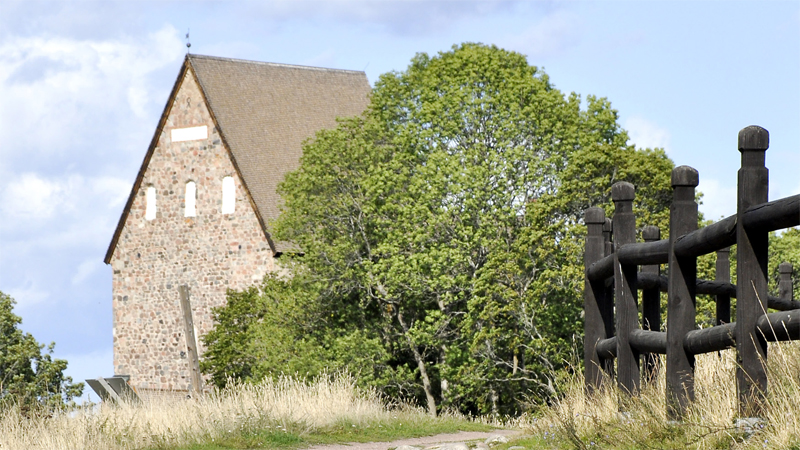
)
(191, 341)
(682, 286)
(593, 293)
(751, 274)
(627, 312)
(723, 275)
(651, 305)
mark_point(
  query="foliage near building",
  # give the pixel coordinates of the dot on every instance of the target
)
(442, 234)
(29, 375)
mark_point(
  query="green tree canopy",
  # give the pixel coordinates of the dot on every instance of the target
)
(446, 222)
(28, 373)
(785, 247)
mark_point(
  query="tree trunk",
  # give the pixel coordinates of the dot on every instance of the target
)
(494, 398)
(444, 384)
(423, 373)
(426, 382)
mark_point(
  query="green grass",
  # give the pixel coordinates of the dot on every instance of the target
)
(532, 442)
(403, 426)
(262, 439)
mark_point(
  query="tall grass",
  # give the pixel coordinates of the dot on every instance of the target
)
(608, 419)
(287, 406)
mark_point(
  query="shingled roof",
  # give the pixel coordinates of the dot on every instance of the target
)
(264, 112)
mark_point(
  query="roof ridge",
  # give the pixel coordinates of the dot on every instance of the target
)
(263, 63)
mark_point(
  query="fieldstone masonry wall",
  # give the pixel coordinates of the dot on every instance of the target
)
(210, 252)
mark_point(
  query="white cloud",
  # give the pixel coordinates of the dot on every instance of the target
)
(54, 90)
(552, 35)
(34, 198)
(112, 190)
(404, 17)
(646, 134)
(85, 269)
(28, 294)
(719, 200)
(31, 197)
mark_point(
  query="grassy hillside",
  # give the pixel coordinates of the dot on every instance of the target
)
(287, 413)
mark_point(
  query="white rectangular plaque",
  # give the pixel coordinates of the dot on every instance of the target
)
(189, 134)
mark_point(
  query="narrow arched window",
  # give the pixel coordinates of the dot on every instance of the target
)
(150, 210)
(190, 209)
(228, 195)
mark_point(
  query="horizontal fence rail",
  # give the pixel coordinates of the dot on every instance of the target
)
(649, 341)
(646, 280)
(708, 239)
(601, 269)
(777, 215)
(780, 326)
(643, 253)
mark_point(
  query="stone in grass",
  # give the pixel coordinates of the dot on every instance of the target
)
(750, 425)
(496, 439)
(408, 447)
(449, 446)
(454, 446)
(516, 447)
(481, 446)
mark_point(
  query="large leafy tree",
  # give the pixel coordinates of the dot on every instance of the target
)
(785, 247)
(446, 222)
(29, 375)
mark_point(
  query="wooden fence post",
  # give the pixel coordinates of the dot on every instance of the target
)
(751, 274)
(651, 305)
(607, 307)
(607, 231)
(191, 340)
(681, 293)
(593, 293)
(625, 294)
(785, 287)
(723, 275)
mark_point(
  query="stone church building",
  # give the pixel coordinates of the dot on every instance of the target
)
(199, 211)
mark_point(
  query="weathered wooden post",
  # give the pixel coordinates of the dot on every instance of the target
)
(593, 298)
(607, 307)
(681, 293)
(651, 305)
(785, 288)
(723, 275)
(751, 274)
(191, 340)
(625, 294)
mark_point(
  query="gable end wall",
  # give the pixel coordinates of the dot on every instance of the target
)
(210, 252)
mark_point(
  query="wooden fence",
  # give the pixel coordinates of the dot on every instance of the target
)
(617, 268)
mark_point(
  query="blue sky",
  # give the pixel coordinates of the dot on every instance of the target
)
(82, 86)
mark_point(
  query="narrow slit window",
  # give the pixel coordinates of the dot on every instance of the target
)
(190, 209)
(228, 195)
(150, 210)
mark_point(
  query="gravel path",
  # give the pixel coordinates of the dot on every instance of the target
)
(425, 441)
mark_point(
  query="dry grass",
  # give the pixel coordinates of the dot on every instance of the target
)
(288, 405)
(582, 422)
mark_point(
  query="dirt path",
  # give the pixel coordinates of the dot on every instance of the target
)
(425, 441)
